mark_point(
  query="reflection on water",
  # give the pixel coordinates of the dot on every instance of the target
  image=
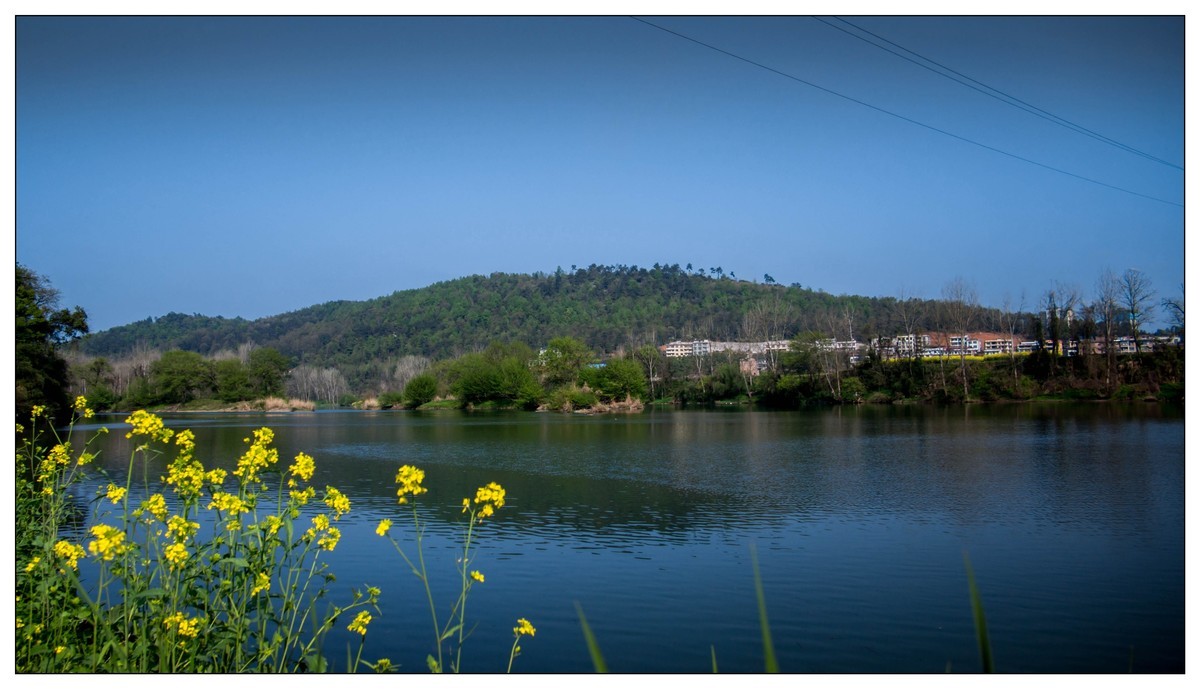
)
(1073, 516)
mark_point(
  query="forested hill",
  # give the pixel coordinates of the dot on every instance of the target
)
(607, 307)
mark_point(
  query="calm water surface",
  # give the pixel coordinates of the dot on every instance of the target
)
(1073, 516)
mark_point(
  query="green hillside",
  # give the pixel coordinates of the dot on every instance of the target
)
(607, 307)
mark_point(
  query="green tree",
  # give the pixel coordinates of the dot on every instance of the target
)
(562, 360)
(421, 389)
(474, 379)
(41, 374)
(180, 376)
(94, 379)
(621, 378)
(232, 381)
(268, 370)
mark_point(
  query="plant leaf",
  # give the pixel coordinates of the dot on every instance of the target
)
(593, 647)
(981, 632)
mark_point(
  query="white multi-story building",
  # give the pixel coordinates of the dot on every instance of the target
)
(680, 348)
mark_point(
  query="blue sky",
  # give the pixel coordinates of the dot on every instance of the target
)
(253, 166)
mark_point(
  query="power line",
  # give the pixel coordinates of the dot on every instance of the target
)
(904, 118)
(991, 91)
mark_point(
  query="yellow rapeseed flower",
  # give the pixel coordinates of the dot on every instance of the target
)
(216, 477)
(115, 493)
(60, 453)
(303, 496)
(109, 542)
(228, 502)
(37, 410)
(492, 493)
(360, 622)
(330, 540)
(85, 458)
(82, 408)
(178, 527)
(258, 456)
(335, 499)
(491, 497)
(271, 524)
(262, 582)
(176, 554)
(320, 522)
(157, 505)
(71, 552)
(384, 525)
(183, 626)
(409, 478)
(477, 576)
(33, 563)
(303, 467)
(524, 628)
(147, 424)
(187, 476)
(186, 440)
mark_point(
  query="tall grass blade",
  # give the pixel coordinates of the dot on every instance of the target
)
(593, 647)
(772, 665)
(981, 632)
(713, 649)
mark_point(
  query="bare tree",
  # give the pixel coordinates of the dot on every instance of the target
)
(961, 303)
(1136, 297)
(1107, 307)
(768, 320)
(1174, 308)
(1009, 320)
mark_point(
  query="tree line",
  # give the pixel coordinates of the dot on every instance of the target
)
(569, 371)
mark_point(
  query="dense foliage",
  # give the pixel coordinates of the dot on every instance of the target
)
(41, 328)
(607, 307)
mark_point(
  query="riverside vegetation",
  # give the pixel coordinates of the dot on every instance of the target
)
(212, 571)
(588, 339)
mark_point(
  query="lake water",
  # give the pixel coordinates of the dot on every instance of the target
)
(1073, 516)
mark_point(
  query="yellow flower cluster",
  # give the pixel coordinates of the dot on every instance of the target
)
(115, 493)
(360, 622)
(262, 582)
(109, 542)
(524, 628)
(71, 552)
(477, 576)
(258, 456)
(271, 524)
(180, 528)
(409, 478)
(82, 408)
(183, 626)
(327, 536)
(384, 525)
(301, 497)
(228, 503)
(491, 497)
(337, 501)
(38, 410)
(187, 476)
(149, 425)
(186, 440)
(176, 554)
(302, 468)
(60, 454)
(156, 505)
(33, 564)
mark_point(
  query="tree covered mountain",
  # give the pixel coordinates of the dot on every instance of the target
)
(607, 307)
